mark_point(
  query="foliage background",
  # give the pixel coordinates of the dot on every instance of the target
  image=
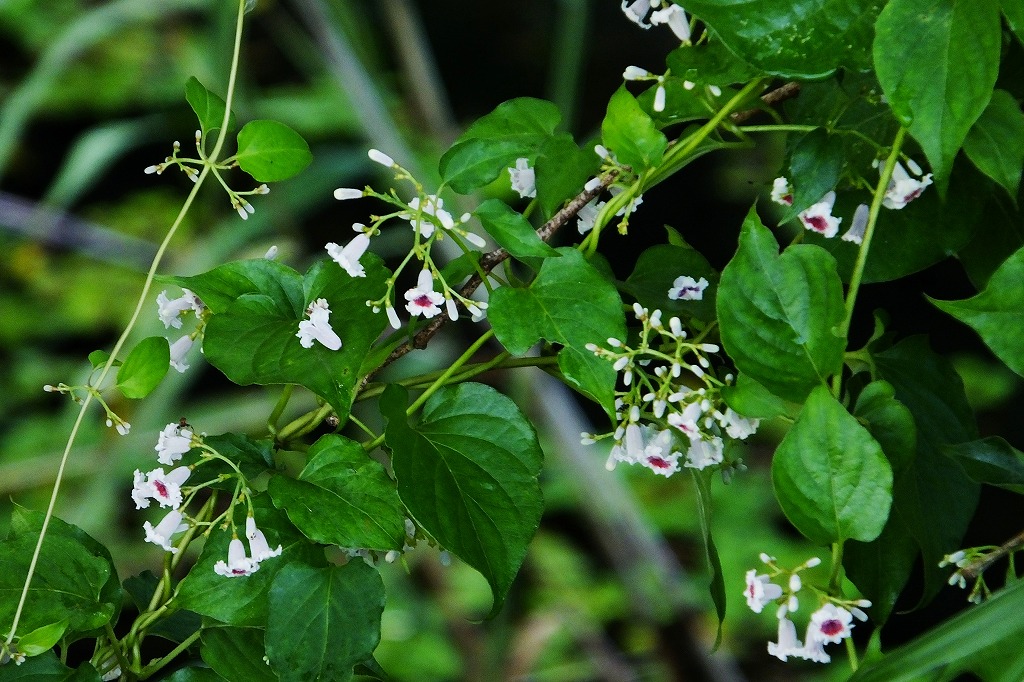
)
(613, 588)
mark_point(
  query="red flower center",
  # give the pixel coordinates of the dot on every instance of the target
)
(423, 301)
(658, 462)
(161, 489)
(832, 627)
(817, 223)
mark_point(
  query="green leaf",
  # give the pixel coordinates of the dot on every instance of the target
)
(243, 601)
(778, 313)
(997, 313)
(220, 287)
(195, 674)
(323, 621)
(815, 166)
(254, 340)
(934, 486)
(991, 460)
(270, 151)
(881, 568)
(176, 627)
(342, 497)
(702, 482)
(996, 624)
(208, 106)
(43, 638)
(47, 668)
(144, 368)
(709, 63)
(98, 358)
(794, 38)
(516, 128)
(236, 653)
(511, 230)
(890, 423)
(995, 144)
(939, 82)
(1013, 10)
(468, 474)
(568, 303)
(252, 457)
(562, 169)
(657, 269)
(752, 400)
(74, 579)
(630, 133)
(830, 476)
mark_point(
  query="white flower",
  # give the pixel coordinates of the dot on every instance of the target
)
(738, 426)
(686, 288)
(659, 99)
(259, 548)
(829, 624)
(271, 253)
(430, 206)
(637, 11)
(422, 299)
(760, 591)
(903, 188)
(687, 422)
(348, 257)
(635, 73)
(162, 532)
(174, 441)
(164, 488)
(675, 17)
(318, 327)
(704, 453)
(860, 222)
(170, 310)
(586, 216)
(392, 316)
(813, 651)
(179, 349)
(782, 193)
(343, 193)
(123, 427)
(524, 179)
(380, 157)
(788, 644)
(659, 457)
(818, 217)
(238, 563)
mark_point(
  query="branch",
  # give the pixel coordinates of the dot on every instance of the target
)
(491, 260)
(781, 94)
(973, 570)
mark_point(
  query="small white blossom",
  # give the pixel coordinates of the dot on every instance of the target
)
(524, 179)
(860, 222)
(271, 253)
(737, 426)
(675, 17)
(162, 532)
(903, 188)
(704, 453)
(658, 455)
(174, 441)
(635, 73)
(686, 288)
(345, 193)
(348, 256)
(430, 206)
(123, 427)
(829, 624)
(238, 564)
(818, 217)
(179, 349)
(813, 650)
(318, 327)
(782, 193)
(170, 310)
(164, 488)
(586, 216)
(659, 98)
(788, 645)
(392, 316)
(687, 422)
(760, 591)
(259, 548)
(422, 299)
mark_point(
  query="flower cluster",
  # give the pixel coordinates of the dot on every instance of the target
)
(660, 418)
(170, 311)
(902, 189)
(587, 216)
(974, 560)
(168, 490)
(430, 221)
(647, 13)
(831, 623)
(188, 167)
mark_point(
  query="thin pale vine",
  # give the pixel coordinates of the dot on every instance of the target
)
(150, 275)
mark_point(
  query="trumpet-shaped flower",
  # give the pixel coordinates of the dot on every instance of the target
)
(430, 206)
(162, 532)
(782, 193)
(760, 591)
(705, 453)
(675, 17)
(687, 421)
(179, 349)
(737, 426)
(238, 564)
(524, 179)
(658, 455)
(788, 645)
(903, 188)
(686, 288)
(318, 327)
(170, 309)
(174, 441)
(860, 222)
(818, 217)
(422, 299)
(259, 548)
(829, 624)
(164, 488)
(348, 257)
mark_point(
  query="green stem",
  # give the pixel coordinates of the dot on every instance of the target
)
(282, 402)
(440, 381)
(304, 424)
(851, 652)
(468, 372)
(178, 650)
(837, 566)
(862, 254)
